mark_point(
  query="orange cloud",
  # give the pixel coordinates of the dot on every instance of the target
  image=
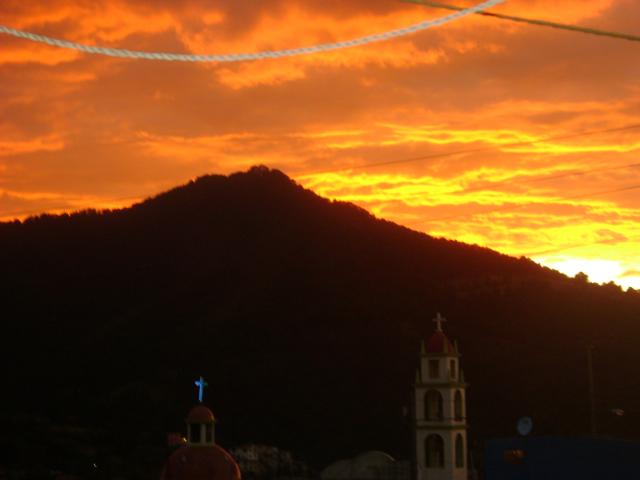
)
(16, 147)
(35, 53)
(80, 130)
(20, 205)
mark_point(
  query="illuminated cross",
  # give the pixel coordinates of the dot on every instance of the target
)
(201, 384)
(439, 319)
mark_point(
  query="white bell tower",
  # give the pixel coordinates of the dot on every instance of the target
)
(440, 410)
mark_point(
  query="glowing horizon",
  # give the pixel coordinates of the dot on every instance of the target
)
(493, 117)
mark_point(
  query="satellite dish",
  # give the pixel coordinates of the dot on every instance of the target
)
(525, 424)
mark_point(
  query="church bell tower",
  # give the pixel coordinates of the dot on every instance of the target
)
(440, 410)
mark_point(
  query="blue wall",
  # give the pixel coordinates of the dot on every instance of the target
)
(552, 458)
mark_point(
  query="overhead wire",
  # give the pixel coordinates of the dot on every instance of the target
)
(448, 154)
(524, 205)
(573, 173)
(519, 206)
(467, 151)
(504, 146)
(238, 57)
(567, 247)
(531, 21)
(478, 9)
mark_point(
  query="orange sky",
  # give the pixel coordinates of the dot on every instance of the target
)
(82, 131)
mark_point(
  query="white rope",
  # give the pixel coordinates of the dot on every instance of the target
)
(237, 57)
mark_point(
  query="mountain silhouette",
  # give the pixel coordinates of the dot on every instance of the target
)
(304, 315)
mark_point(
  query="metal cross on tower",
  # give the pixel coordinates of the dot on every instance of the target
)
(200, 383)
(438, 320)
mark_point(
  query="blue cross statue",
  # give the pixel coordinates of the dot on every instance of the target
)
(201, 384)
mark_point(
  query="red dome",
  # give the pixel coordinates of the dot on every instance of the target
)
(200, 463)
(439, 343)
(200, 414)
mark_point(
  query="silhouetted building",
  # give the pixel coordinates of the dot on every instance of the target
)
(440, 412)
(372, 465)
(266, 462)
(200, 458)
(550, 458)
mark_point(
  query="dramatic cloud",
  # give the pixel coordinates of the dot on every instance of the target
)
(468, 131)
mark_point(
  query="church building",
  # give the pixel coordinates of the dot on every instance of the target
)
(440, 412)
(200, 458)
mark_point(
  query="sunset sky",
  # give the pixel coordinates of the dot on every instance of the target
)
(495, 108)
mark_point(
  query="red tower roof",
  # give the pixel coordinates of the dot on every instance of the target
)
(439, 343)
(200, 414)
(200, 463)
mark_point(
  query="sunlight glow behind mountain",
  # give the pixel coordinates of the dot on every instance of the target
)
(78, 131)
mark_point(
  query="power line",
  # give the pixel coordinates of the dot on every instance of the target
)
(543, 23)
(555, 177)
(523, 205)
(425, 157)
(567, 247)
(499, 209)
(552, 177)
(580, 172)
(447, 154)
(515, 207)
(512, 145)
(586, 133)
(238, 57)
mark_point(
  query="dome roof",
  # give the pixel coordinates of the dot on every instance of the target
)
(200, 414)
(439, 343)
(200, 463)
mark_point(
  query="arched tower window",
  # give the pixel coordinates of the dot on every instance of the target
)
(434, 451)
(434, 368)
(433, 405)
(200, 426)
(457, 405)
(194, 433)
(459, 451)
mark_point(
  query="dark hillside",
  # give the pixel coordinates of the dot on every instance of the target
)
(304, 315)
